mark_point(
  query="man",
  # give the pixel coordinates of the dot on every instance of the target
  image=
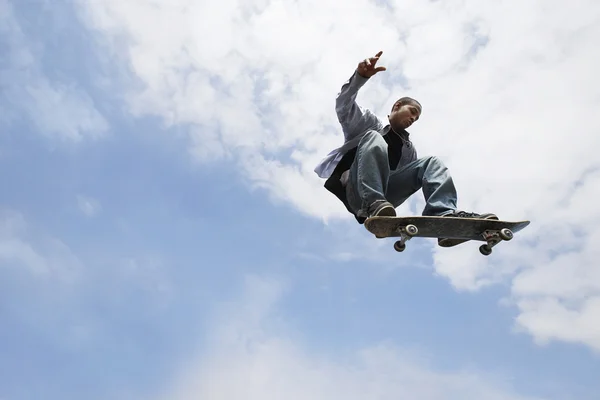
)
(377, 169)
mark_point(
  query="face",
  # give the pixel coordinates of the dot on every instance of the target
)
(404, 116)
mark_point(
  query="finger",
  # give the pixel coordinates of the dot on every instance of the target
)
(367, 62)
(379, 69)
(376, 58)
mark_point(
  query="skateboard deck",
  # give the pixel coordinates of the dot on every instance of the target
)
(462, 229)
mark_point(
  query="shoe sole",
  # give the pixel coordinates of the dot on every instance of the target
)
(456, 242)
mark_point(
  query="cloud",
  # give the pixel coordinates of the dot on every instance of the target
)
(552, 266)
(508, 104)
(58, 109)
(251, 352)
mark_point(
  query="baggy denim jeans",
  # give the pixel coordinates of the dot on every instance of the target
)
(370, 179)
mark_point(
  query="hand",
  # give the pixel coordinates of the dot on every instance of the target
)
(366, 68)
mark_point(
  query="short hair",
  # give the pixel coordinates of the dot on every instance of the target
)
(407, 100)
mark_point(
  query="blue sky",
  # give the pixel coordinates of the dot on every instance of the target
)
(162, 234)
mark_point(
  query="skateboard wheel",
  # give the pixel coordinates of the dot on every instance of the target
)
(411, 230)
(506, 234)
(485, 249)
(399, 246)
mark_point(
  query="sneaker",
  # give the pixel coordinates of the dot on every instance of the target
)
(382, 208)
(445, 242)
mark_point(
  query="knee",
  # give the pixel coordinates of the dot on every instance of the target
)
(434, 161)
(373, 139)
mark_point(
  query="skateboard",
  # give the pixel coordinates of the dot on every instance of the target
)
(487, 230)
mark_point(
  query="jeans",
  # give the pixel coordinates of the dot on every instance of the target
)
(370, 180)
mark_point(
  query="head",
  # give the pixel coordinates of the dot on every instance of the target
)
(404, 113)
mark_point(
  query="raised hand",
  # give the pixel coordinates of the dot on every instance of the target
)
(366, 68)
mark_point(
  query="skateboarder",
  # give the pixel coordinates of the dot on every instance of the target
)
(377, 169)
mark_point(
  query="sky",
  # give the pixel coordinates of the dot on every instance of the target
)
(163, 234)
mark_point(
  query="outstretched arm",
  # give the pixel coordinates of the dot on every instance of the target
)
(353, 118)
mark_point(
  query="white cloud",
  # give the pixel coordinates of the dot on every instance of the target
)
(509, 92)
(59, 110)
(252, 353)
(553, 266)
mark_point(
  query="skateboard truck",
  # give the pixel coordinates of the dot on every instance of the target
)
(406, 233)
(493, 237)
